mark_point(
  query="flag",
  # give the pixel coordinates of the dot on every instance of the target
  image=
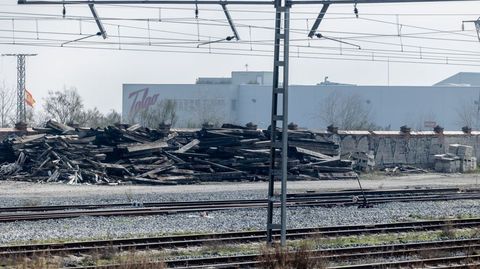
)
(29, 98)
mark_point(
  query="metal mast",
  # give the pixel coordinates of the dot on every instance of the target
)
(279, 119)
(21, 114)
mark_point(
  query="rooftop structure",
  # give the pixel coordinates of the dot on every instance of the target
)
(469, 79)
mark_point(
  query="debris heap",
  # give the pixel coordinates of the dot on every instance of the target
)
(123, 153)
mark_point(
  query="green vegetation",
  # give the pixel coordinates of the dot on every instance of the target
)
(271, 257)
(277, 257)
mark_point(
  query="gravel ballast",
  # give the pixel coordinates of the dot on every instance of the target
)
(85, 228)
(14, 193)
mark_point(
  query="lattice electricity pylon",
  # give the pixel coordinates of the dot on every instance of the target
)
(279, 137)
(21, 113)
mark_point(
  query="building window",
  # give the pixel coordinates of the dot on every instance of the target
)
(260, 80)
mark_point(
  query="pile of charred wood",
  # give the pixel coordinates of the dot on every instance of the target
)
(123, 153)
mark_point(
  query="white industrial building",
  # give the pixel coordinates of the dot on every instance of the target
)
(246, 97)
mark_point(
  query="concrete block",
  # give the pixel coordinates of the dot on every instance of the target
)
(363, 161)
(453, 149)
(468, 165)
(464, 152)
(445, 163)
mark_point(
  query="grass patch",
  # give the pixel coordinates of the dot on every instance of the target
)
(372, 175)
(276, 257)
(380, 239)
(126, 260)
(44, 261)
(270, 255)
(447, 231)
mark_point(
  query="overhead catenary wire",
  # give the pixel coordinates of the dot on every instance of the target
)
(248, 54)
(302, 32)
(446, 54)
(268, 10)
(447, 59)
(366, 35)
(259, 42)
(224, 22)
(256, 42)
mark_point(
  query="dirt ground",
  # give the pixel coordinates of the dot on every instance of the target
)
(25, 189)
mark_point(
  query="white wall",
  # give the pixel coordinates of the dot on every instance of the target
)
(394, 106)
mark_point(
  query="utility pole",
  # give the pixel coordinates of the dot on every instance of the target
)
(21, 115)
(279, 115)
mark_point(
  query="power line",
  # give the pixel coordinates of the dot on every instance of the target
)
(222, 23)
(366, 56)
(186, 41)
(408, 25)
(357, 38)
(194, 41)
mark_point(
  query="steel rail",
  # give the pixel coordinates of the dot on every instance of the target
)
(212, 207)
(336, 195)
(142, 211)
(463, 261)
(466, 262)
(230, 237)
(350, 254)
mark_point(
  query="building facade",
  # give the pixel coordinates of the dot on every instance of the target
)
(246, 97)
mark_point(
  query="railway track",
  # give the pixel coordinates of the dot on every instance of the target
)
(176, 241)
(461, 261)
(454, 252)
(345, 198)
(336, 195)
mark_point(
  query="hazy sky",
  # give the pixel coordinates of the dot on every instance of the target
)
(99, 73)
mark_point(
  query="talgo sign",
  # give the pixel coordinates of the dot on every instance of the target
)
(141, 101)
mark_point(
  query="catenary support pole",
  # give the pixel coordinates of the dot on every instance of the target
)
(279, 123)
